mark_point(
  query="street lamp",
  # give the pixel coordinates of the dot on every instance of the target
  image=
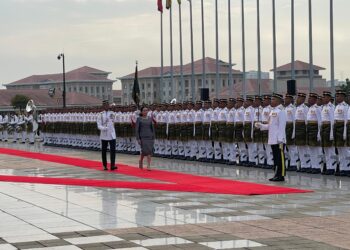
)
(64, 79)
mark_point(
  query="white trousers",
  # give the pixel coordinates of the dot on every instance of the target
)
(316, 157)
(330, 158)
(243, 152)
(304, 156)
(344, 158)
(217, 150)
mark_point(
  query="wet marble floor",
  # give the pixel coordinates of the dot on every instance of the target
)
(38, 216)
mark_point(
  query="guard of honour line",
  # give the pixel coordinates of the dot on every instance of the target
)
(307, 133)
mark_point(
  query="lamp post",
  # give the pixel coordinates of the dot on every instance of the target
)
(64, 79)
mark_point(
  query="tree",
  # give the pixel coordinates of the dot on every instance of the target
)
(19, 101)
(346, 86)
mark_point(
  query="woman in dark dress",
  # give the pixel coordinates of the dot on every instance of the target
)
(145, 136)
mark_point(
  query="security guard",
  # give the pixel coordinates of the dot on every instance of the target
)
(277, 135)
(340, 125)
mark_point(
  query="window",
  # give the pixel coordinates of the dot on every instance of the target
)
(98, 89)
(70, 89)
(103, 89)
(92, 90)
(223, 83)
(75, 89)
(86, 89)
(283, 73)
(143, 95)
(148, 85)
(80, 89)
(186, 84)
(154, 95)
(142, 86)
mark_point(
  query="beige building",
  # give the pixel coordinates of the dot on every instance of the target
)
(284, 73)
(151, 91)
(86, 80)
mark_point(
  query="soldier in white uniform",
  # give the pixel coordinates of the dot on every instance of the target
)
(301, 133)
(171, 125)
(208, 114)
(327, 135)
(257, 135)
(340, 135)
(105, 124)
(314, 135)
(239, 126)
(21, 126)
(191, 150)
(219, 149)
(229, 147)
(248, 131)
(198, 132)
(277, 135)
(291, 149)
(29, 119)
(266, 157)
(3, 131)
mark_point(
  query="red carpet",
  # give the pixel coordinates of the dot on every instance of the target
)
(176, 181)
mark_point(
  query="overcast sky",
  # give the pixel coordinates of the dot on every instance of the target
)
(111, 34)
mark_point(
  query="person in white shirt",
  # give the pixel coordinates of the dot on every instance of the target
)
(3, 123)
(30, 127)
(266, 157)
(105, 124)
(340, 136)
(239, 138)
(291, 149)
(277, 135)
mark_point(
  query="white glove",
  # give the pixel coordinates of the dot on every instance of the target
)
(257, 125)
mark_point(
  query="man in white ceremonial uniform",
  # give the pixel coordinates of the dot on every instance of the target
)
(300, 140)
(221, 119)
(327, 134)
(21, 123)
(239, 126)
(266, 156)
(29, 119)
(181, 120)
(249, 113)
(291, 150)
(164, 133)
(277, 135)
(171, 131)
(229, 146)
(191, 148)
(198, 132)
(340, 133)
(208, 114)
(314, 135)
(3, 131)
(257, 135)
(105, 124)
(157, 141)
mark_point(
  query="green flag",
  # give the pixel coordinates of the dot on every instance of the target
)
(136, 89)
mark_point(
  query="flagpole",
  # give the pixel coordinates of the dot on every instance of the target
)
(192, 56)
(230, 80)
(203, 46)
(274, 45)
(311, 66)
(161, 58)
(243, 52)
(259, 47)
(181, 57)
(292, 40)
(332, 46)
(217, 84)
(171, 54)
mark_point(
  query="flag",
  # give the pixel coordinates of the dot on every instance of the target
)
(136, 89)
(160, 5)
(168, 4)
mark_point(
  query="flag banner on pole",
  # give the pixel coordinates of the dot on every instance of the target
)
(136, 89)
(168, 4)
(160, 5)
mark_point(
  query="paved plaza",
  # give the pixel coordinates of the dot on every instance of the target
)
(40, 216)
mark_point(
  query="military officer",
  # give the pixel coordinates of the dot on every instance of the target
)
(172, 131)
(257, 135)
(214, 130)
(277, 135)
(3, 129)
(29, 119)
(340, 125)
(198, 132)
(192, 151)
(327, 136)
(105, 124)
(314, 135)
(221, 126)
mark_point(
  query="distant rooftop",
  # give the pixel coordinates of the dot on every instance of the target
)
(298, 65)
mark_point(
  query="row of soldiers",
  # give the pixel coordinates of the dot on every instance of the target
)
(222, 131)
(20, 127)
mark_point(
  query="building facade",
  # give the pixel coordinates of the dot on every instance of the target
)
(86, 80)
(153, 90)
(302, 73)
